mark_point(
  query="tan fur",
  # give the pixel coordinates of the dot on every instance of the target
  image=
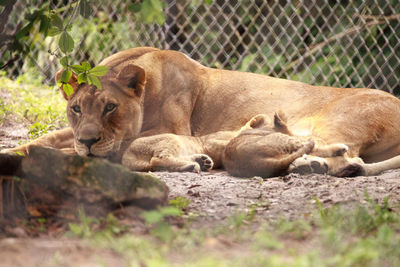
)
(172, 152)
(267, 150)
(181, 96)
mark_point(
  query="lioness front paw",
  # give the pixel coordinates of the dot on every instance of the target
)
(308, 164)
(339, 150)
(205, 162)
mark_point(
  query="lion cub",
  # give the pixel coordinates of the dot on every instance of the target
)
(267, 150)
(260, 148)
(170, 152)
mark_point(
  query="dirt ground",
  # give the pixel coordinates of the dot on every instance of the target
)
(214, 197)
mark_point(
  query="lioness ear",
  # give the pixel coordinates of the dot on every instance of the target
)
(73, 82)
(134, 78)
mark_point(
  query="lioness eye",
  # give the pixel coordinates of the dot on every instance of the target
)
(76, 109)
(110, 107)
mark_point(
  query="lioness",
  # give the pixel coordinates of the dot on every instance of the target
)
(149, 91)
(262, 150)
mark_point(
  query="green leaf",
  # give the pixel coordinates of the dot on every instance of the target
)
(4, 2)
(68, 89)
(156, 4)
(152, 217)
(68, 27)
(76, 229)
(56, 21)
(170, 211)
(64, 61)
(44, 24)
(152, 11)
(53, 31)
(95, 81)
(66, 43)
(99, 71)
(65, 76)
(86, 65)
(82, 78)
(85, 8)
(24, 31)
(135, 7)
(179, 202)
(78, 68)
(208, 2)
(33, 16)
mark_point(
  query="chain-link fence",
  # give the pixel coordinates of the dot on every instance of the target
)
(335, 43)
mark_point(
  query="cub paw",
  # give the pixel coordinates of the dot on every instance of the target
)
(309, 146)
(205, 162)
(308, 164)
(192, 167)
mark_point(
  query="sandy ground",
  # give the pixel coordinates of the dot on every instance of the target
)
(214, 197)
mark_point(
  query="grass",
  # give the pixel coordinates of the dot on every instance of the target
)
(365, 235)
(39, 107)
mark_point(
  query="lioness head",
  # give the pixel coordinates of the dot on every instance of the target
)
(102, 120)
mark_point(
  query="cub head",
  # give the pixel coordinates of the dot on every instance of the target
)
(105, 120)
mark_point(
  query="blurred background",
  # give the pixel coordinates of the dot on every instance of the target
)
(333, 43)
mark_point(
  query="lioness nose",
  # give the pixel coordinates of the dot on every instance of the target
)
(89, 142)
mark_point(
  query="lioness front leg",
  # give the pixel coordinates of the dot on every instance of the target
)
(59, 139)
(340, 166)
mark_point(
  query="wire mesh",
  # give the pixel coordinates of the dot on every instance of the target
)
(333, 43)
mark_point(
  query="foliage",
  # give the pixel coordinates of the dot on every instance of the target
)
(58, 23)
(37, 106)
(90, 227)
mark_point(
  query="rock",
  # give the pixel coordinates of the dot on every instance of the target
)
(54, 178)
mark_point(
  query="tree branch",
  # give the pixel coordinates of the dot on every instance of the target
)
(5, 14)
(313, 48)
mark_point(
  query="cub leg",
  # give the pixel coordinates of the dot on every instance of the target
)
(269, 167)
(192, 163)
(174, 164)
(333, 150)
(282, 164)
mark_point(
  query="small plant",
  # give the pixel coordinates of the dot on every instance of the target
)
(299, 229)
(83, 229)
(180, 202)
(155, 219)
